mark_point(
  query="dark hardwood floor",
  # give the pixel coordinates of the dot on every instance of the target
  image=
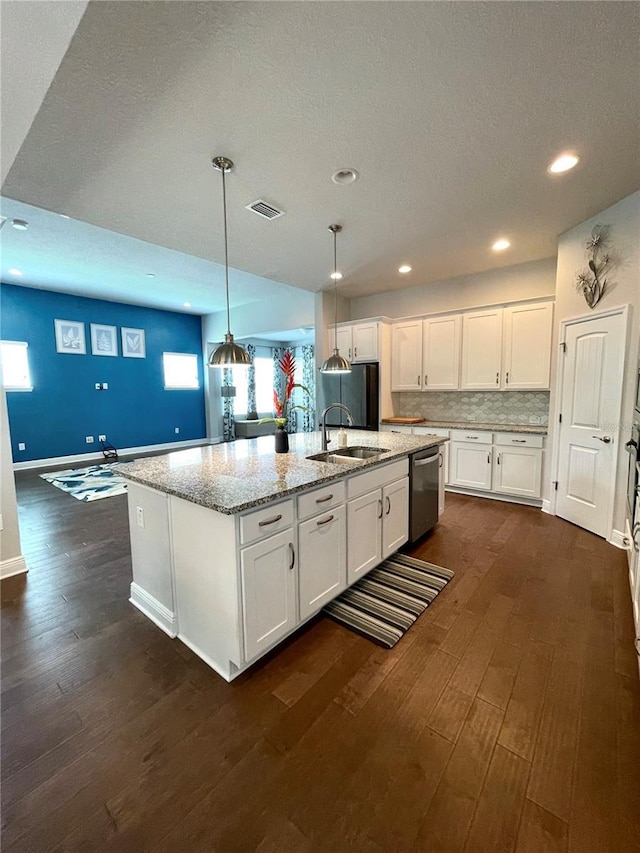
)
(507, 719)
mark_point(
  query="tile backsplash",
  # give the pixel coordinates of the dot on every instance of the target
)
(500, 407)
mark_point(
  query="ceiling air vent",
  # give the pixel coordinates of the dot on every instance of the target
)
(267, 211)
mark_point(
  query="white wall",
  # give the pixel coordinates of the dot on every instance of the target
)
(494, 287)
(292, 311)
(11, 561)
(624, 221)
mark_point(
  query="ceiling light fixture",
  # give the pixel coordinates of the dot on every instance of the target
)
(64, 216)
(228, 354)
(336, 276)
(563, 163)
(187, 304)
(404, 268)
(20, 224)
(14, 271)
(336, 363)
(345, 176)
(501, 245)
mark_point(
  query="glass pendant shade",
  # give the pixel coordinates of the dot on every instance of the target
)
(336, 363)
(229, 353)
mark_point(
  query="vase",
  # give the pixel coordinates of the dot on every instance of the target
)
(282, 440)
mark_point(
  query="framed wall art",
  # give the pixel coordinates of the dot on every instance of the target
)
(70, 337)
(104, 340)
(133, 345)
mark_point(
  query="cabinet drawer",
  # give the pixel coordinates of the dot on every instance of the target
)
(515, 439)
(265, 522)
(475, 436)
(321, 500)
(406, 430)
(425, 430)
(360, 484)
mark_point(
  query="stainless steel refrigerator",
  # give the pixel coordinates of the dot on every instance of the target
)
(357, 390)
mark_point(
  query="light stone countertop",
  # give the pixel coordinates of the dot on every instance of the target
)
(237, 476)
(529, 429)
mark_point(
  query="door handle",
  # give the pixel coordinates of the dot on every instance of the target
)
(380, 507)
(388, 505)
(605, 439)
(441, 460)
(428, 461)
(631, 444)
(292, 552)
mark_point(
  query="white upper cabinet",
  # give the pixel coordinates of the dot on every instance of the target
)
(482, 350)
(406, 356)
(526, 354)
(357, 342)
(345, 341)
(441, 353)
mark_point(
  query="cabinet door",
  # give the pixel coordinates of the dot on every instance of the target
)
(406, 356)
(526, 357)
(517, 471)
(482, 349)
(268, 592)
(365, 342)
(441, 479)
(395, 519)
(364, 540)
(345, 343)
(322, 549)
(441, 354)
(470, 465)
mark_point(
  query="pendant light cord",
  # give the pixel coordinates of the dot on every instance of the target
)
(226, 249)
(335, 287)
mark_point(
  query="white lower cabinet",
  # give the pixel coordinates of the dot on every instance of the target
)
(322, 560)
(268, 592)
(470, 465)
(517, 471)
(395, 516)
(364, 545)
(502, 463)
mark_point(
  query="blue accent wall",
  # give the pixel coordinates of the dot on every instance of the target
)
(64, 407)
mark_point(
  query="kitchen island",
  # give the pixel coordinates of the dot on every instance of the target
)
(234, 546)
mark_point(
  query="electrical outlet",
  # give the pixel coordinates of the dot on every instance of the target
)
(140, 516)
(22, 446)
(102, 438)
(98, 386)
(105, 386)
(535, 419)
(177, 430)
(89, 439)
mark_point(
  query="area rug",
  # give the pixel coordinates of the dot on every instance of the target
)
(89, 484)
(385, 604)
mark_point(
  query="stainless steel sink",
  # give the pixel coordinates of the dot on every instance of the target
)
(345, 455)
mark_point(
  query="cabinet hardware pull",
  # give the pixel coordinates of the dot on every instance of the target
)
(419, 382)
(519, 440)
(355, 352)
(292, 551)
(349, 352)
(324, 500)
(489, 457)
(380, 506)
(426, 379)
(497, 378)
(269, 521)
(507, 377)
(388, 505)
(325, 521)
(472, 437)
(499, 455)
(441, 460)
(606, 439)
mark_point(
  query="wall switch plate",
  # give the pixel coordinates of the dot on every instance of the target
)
(535, 419)
(105, 386)
(102, 438)
(89, 439)
(22, 445)
(140, 516)
(177, 430)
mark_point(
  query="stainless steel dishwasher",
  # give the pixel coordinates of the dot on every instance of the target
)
(424, 475)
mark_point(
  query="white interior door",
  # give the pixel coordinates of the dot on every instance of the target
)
(588, 438)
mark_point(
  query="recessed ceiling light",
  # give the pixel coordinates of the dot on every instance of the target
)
(187, 304)
(563, 163)
(20, 224)
(14, 271)
(501, 245)
(64, 216)
(150, 275)
(404, 268)
(336, 276)
(345, 176)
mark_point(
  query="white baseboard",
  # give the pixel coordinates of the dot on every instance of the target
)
(619, 539)
(494, 496)
(13, 566)
(546, 507)
(99, 456)
(151, 607)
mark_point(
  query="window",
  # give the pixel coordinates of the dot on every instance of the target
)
(15, 366)
(180, 370)
(264, 387)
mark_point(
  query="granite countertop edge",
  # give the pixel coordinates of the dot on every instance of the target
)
(530, 429)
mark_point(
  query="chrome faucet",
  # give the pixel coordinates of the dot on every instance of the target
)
(323, 419)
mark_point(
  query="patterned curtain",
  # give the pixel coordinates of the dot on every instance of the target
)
(309, 379)
(251, 381)
(228, 421)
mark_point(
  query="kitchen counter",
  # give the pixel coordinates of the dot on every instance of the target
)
(237, 476)
(525, 429)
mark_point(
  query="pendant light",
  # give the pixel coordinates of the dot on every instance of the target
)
(228, 354)
(336, 363)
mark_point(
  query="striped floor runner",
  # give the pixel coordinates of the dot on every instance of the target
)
(385, 604)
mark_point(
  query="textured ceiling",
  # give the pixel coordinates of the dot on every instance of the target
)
(451, 112)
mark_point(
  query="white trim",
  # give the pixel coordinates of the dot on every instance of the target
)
(619, 539)
(154, 610)
(13, 566)
(125, 451)
(494, 496)
(546, 507)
